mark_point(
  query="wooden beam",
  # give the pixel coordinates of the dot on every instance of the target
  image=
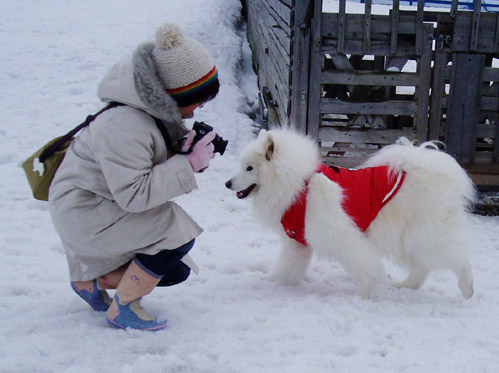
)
(463, 108)
(419, 27)
(367, 27)
(300, 66)
(392, 107)
(382, 137)
(341, 27)
(395, 18)
(360, 77)
(437, 95)
(475, 26)
(314, 87)
(423, 89)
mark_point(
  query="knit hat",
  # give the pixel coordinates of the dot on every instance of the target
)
(186, 69)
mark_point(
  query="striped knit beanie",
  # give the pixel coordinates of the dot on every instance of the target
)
(186, 69)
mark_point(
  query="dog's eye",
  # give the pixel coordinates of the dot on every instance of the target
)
(249, 168)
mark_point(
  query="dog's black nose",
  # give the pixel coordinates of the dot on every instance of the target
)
(228, 184)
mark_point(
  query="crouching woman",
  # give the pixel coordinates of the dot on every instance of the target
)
(111, 199)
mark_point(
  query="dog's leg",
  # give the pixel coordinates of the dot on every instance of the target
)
(332, 233)
(465, 281)
(359, 261)
(415, 279)
(292, 262)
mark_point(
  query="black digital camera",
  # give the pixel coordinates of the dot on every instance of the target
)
(201, 129)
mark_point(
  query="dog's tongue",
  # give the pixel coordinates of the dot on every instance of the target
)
(240, 194)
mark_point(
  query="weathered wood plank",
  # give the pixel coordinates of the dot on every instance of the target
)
(283, 10)
(361, 77)
(329, 105)
(341, 26)
(354, 23)
(272, 77)
(314, 87)
(300, 67)
(463, 106)
(419, 27)
(496, 137)
(423, 89)
(377, 48)
(367, 27)
(461, 40)
(475, 27)
(437, 95)
(369, 136)
(491, 74)
(453, 9)
(486, 130)
(496, 44)
(489, 103)
(347, 162)
(284, 19)
(267, 41)
(350, 152)
(268, 33)
(394, 32)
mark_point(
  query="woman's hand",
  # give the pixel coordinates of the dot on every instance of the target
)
(202, 151)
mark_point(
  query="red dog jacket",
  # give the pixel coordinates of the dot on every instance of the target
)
(365, 193)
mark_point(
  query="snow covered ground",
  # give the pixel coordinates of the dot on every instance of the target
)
(226, 319)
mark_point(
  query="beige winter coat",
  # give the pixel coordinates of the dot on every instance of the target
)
(112, 195)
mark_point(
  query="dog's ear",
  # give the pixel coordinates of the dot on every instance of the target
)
(269, 147)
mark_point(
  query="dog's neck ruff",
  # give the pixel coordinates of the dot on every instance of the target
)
(365, 192)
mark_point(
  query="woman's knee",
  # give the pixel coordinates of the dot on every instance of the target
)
(165, 261)
(177, 275)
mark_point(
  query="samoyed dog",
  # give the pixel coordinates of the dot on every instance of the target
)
(407, 202)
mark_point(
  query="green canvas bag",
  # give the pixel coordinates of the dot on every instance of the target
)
(41, 167)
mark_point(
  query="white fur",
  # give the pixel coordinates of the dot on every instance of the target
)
(422, 228)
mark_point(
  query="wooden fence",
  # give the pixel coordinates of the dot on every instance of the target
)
(356, 82)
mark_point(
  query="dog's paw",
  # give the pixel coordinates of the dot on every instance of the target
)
(363, 292)
(273, 276)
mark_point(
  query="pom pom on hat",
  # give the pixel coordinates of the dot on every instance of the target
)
(185, 67)
(169, 35)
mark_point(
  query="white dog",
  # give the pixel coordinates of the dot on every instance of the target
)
(406, 202)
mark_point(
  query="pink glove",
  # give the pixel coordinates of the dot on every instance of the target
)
(202, 152)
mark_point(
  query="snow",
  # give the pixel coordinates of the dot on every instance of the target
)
(228, 318)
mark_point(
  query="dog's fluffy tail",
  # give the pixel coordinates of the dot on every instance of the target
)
(428, 161)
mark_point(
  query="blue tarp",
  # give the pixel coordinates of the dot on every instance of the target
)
(487, 5)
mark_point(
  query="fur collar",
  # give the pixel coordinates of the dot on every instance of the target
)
(150, 88)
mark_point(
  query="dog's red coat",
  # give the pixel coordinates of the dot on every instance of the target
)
(365, 192)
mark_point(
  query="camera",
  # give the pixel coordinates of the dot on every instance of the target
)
(201, 129)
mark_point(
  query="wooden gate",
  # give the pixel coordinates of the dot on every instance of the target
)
(356, 82)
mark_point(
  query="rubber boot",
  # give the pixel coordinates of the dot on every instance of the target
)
(95, 297)
(125, 310)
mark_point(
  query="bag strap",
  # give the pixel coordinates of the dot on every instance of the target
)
(57, 144)
(164, 133)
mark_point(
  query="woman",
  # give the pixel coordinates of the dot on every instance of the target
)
(110, 200)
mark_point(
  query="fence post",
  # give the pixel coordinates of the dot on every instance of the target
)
(300, 65)
(424, 83)
(437, 94)
(463, 107)
(314, 87)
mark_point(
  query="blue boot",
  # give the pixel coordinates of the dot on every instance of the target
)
(134, 316)
(125, 310)
(97, 299)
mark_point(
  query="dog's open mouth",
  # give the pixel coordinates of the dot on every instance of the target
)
(246, 192)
